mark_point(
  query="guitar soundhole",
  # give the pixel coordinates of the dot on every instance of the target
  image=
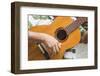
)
(61, 34)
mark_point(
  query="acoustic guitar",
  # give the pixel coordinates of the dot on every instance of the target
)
(64, 29)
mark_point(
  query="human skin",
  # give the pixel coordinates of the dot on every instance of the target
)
(49, 41)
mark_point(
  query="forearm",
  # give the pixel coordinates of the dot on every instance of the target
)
(35, 36)
(49, 41)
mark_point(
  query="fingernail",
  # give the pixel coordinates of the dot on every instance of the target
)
(59, 45)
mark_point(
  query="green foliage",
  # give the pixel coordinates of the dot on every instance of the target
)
(29, 24)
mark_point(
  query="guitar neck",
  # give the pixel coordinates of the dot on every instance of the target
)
(75, 24)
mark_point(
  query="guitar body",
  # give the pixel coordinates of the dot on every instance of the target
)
(34, 53)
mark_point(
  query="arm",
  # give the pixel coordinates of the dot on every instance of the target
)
(49, 41)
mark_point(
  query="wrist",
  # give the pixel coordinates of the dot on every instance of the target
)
(41, 37)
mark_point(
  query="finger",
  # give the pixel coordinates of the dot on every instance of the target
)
(50, 52)
(54, 49)
(57, 48)
(59, 45)
(47, 49)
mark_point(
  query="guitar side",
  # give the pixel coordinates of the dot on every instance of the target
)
(34, 53)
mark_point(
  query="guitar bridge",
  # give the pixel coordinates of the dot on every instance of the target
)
(44, 50)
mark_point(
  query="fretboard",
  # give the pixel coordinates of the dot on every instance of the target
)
(75, 24)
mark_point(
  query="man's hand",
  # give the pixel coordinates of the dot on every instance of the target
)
(50, 42)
